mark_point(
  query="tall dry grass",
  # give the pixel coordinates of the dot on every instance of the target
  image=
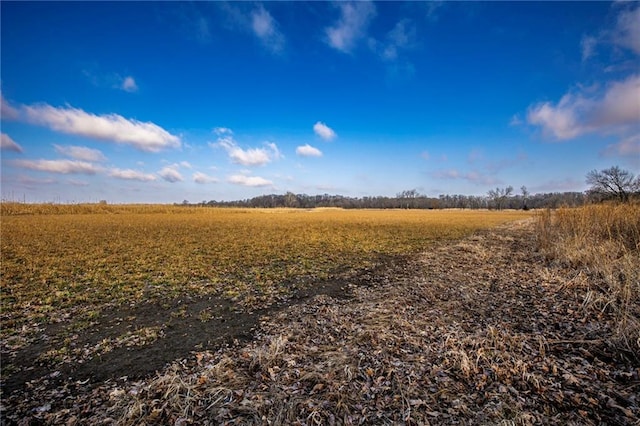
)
(604, 241)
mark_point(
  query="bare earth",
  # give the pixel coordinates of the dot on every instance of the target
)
(478, 331)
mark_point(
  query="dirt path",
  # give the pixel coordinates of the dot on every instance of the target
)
(477, 331)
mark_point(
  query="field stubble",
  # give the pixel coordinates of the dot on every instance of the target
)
(80, 283)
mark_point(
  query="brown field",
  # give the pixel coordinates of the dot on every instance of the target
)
(182, 315)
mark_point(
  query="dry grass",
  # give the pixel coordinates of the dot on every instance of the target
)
(66, 267)
(604, 242)
(58, 260)
(475, 331)
(437, 346)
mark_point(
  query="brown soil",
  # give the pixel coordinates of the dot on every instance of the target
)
(477, 331)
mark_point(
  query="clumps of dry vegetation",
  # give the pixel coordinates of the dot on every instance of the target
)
(603, 241)
(475, 332)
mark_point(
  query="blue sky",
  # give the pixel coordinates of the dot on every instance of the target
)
(161, 102)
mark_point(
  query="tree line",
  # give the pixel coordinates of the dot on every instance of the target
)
(609, 184)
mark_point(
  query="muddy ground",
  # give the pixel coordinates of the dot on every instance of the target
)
(484, 330)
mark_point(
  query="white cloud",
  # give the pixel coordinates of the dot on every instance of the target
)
(579, 113)
(59, 166)
(8, 144)
(199, 177)
(7, 111)
(80, 153)
(185, 164)
(171, 174)
(129, 84)
(351, 26)
(308, 151)
(245, 180)
(251, 156)
(129, 174)
(145, 136)
(324, 131)
(266, 29)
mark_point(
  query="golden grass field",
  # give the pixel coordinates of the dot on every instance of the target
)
(122, 310)
(56, 258)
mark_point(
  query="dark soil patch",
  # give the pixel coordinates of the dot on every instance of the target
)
(189, 323)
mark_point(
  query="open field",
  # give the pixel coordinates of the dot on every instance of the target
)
(313, 317)
(69, 270)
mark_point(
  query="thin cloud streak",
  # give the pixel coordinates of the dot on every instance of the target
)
(8, 144)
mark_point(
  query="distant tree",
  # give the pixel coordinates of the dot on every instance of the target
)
(291, 200)
(407, 198)
(500, 195)
(613, 182)
(525, 196)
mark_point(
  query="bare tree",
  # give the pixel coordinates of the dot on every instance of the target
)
(613, 182)
(500, 195)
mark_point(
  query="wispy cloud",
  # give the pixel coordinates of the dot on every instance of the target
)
(516, 121)
(266, 29)
(221, 131)
(171, 173)
(145, 136)
(129, 84)
(202, 178)
(559, 185)
(7, 111)
(324, 131)
(625, 34)
(308, 151)
(80, 153)
(588, 46)
(59, 166)
(352, 25)
(8, 144)
(129, 174)
(250, 156)
(401, 37)
(188, 19)
(110, 80)
(30, 180)
(579, 113)
(473, 176)
(626, 147)
(76, 182)
(627, 30)
(244, 180)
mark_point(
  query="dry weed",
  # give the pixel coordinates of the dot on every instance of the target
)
(604, 242)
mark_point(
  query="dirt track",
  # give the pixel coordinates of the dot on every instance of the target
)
(476, 331)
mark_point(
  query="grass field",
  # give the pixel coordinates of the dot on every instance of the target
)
(183, 315)
(62, 259)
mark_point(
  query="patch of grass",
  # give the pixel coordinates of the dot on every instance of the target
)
(604, 241)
